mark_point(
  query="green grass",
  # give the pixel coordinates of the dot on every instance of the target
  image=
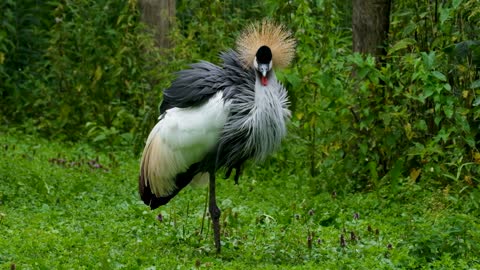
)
(55, 214)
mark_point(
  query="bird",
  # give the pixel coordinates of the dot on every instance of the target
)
(215, 117)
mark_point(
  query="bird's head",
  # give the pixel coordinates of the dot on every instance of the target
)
(264, 46)
(263, 63)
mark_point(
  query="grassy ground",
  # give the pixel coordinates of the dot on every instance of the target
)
(72, 207)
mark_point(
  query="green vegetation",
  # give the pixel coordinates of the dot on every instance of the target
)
(70, 206)
(395, 139)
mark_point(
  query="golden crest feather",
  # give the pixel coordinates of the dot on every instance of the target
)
(275, 36)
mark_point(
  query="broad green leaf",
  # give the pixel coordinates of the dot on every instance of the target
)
(100, 137)
(456, 3)
(476, 102)
(443, 135)
(470, 141)
(475, 84)
(401, 44)
(444, 15)
(428, 59)
(439, 75)
(448, 110)
(421, 125)
(293, 79)
(428, 92)
(362, 72)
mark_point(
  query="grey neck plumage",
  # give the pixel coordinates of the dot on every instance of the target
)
(261, 115)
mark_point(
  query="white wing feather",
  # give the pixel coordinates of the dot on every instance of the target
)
(182, 137)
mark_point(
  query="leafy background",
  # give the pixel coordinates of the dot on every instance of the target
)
(88, 72)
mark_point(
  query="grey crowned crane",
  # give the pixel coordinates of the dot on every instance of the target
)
(215, 117)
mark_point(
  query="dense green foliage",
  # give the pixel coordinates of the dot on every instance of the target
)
(404, 127)
(89, 70)
(412, 115)
(92, 69)
(70, 206)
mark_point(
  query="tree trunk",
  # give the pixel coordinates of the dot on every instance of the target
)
(370, 23)
(158, 14)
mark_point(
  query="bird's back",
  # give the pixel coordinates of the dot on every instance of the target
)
(193, 87)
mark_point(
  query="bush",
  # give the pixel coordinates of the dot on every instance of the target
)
(93, 73)
(413, 118)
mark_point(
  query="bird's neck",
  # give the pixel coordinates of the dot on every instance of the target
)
(257, 121)
(271, 80)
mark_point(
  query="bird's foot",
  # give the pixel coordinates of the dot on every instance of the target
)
(238, 172)
(215, 215)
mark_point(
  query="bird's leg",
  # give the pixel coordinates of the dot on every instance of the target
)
(214, 212)
(238, 172)
(228, 173)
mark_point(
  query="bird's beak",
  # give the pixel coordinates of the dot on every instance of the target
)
(263, 68)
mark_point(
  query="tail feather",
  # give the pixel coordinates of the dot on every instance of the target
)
(159, 180)
(181, 180)
(159, 164)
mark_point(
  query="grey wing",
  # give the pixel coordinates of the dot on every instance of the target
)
(193, 86)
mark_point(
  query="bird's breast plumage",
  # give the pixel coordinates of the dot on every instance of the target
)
(256, 123)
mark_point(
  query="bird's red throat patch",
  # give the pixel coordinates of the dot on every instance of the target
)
(264, 81)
